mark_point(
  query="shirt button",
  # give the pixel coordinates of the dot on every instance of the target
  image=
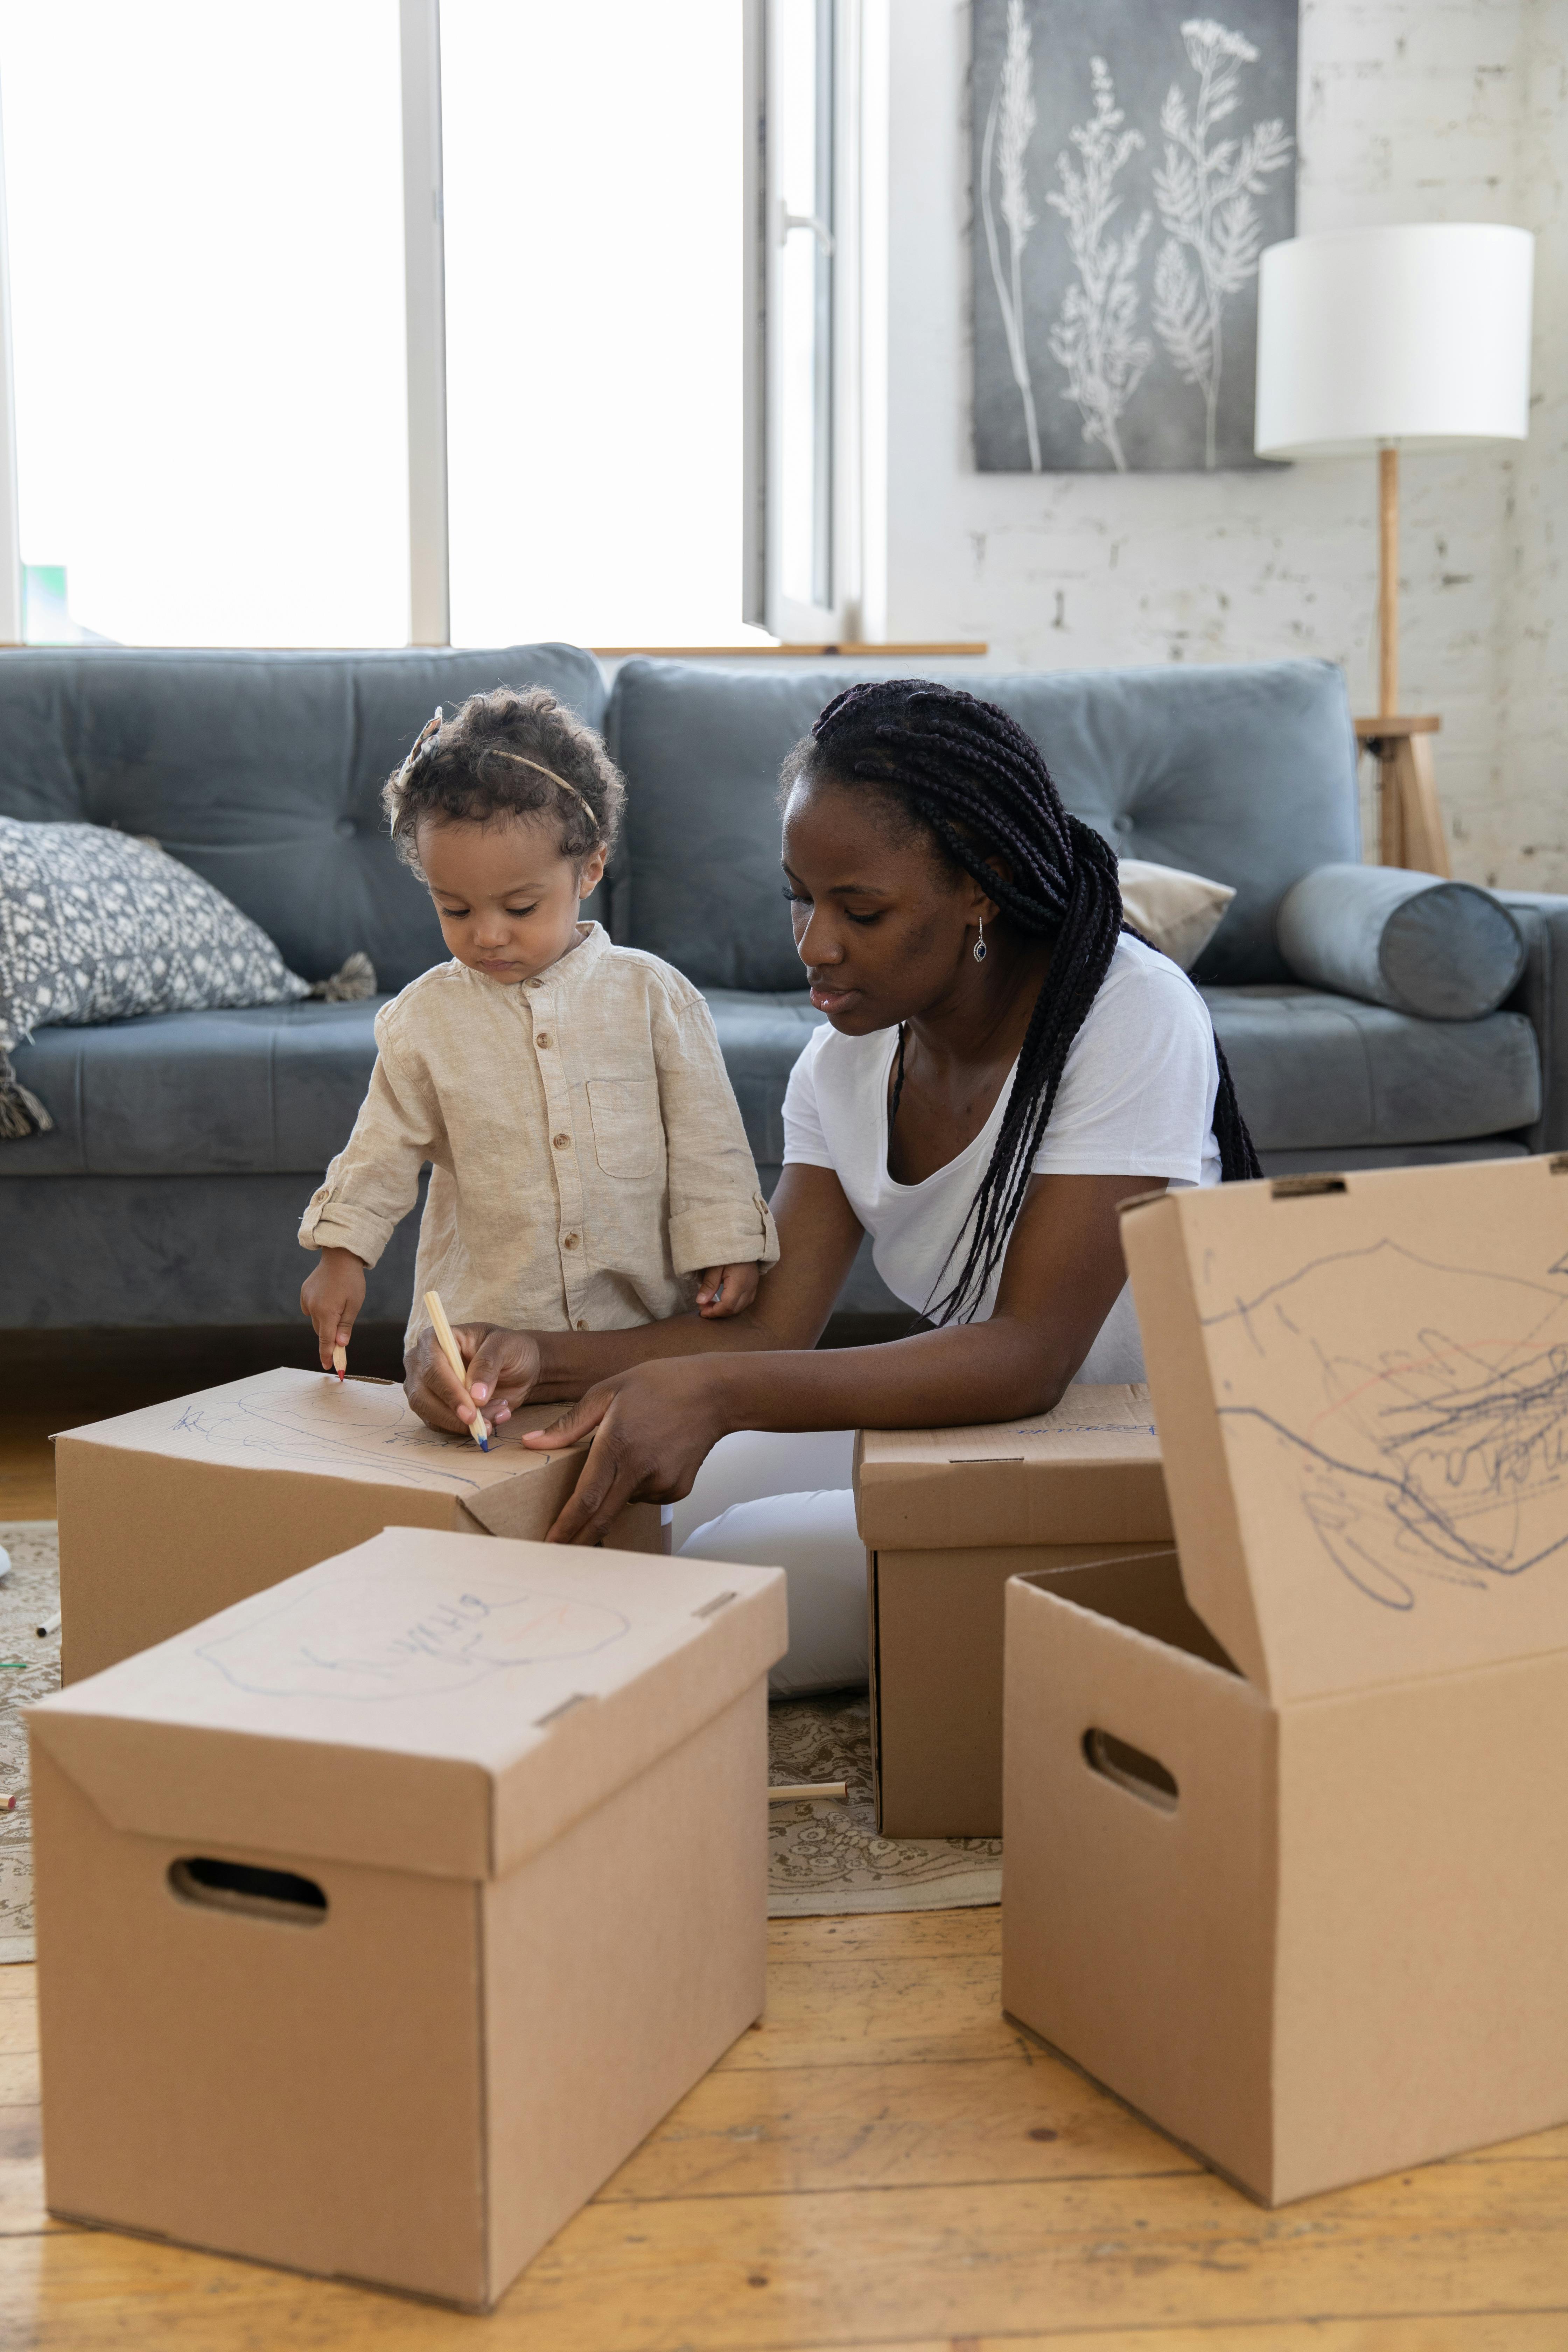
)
(569, 1241)
(581, 1325)
(542, 1038)
(561, 1141)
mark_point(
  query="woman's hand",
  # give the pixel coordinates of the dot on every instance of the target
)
(331, 1296)
(502, 1365)
(652, 1427)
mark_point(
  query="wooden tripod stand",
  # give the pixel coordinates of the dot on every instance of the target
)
(1410, 817)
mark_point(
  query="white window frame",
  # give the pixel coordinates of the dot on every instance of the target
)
(858, 82)
(424, 324)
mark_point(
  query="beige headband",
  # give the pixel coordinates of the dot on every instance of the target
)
(554, 777)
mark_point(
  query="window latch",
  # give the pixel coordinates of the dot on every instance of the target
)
(819, 229)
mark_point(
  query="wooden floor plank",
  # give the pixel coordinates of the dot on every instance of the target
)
(785, 2131)
(743, 2274)
(846, 2013)
(903, 1932)
(19, 2027)
(19, 2078)
(22, 2209)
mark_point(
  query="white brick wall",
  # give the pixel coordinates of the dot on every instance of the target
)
(1410, 110)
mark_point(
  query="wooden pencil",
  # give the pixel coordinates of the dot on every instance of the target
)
(810, 1792)
(448, 1347)
(339, 1362)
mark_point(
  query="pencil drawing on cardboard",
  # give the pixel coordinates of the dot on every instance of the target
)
(1131, 164)
(1418, 1409)
(332, 1428)
(402, 1633)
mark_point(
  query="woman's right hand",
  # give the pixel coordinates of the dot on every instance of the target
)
(502, 1367)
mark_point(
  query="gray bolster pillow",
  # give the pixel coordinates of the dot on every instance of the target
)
(1443, 950)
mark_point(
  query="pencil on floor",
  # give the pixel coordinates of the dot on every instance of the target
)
(808, 1789)
(478, 1429)
(49, 1625)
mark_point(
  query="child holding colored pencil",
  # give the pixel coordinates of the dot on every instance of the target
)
(589, 1169)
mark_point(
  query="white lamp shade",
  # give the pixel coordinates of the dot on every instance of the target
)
(1368, 338)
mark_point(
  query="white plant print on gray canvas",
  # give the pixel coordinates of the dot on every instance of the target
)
(1097, 346)
(1206, 191)
(1095, 336)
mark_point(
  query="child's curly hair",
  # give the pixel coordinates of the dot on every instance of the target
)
(508, 754)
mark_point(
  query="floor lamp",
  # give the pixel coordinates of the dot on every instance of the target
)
(1386, 338)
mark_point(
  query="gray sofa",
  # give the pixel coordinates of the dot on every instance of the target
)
(185, 1145)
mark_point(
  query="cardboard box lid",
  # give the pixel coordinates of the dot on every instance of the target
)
(1361, 1384)
(312, 1423)
(425, 1702)
(1087, 1472)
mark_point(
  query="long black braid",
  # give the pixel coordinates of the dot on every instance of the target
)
(976, 781)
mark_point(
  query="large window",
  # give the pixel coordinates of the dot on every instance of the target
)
(206, 293)
(574, 286)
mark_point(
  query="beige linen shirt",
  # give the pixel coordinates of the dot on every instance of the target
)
(587, 1156)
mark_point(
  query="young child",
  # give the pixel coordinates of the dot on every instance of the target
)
(589, 1167)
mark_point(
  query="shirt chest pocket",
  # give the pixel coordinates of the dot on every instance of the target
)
(628, 1134)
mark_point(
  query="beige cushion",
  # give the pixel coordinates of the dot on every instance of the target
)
(1178, 913)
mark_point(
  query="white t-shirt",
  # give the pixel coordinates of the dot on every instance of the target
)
(1136, 1098)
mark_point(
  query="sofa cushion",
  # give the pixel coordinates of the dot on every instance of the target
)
(1246, 774)
(102, 1250)
(1315, 1070)
(761, 1037)
(271, 1089)
(261, 771)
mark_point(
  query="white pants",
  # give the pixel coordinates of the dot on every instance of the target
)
(771, 1499)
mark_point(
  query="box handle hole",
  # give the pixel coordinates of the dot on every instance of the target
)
(242, 1887)
(1141, 1775)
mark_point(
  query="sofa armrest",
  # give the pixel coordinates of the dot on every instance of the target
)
(1543, 996)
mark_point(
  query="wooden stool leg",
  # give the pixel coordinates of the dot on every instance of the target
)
(1390, 805)
(1425, 842)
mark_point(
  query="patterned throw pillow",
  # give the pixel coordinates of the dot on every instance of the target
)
(97, 925)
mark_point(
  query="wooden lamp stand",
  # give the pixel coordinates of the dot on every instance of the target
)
(1410, 817)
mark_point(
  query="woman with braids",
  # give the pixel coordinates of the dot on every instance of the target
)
(1002, 1064)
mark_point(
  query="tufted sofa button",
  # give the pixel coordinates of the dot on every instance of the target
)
(1124, 824)
(345, 828)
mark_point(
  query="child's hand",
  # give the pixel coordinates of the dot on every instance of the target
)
(333, 1297)
(726, 1290)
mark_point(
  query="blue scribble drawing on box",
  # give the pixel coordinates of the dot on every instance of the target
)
(397, 1634)
(1437, 1453)
(327, 1432)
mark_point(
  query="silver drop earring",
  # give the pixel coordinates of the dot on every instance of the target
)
(979, 942)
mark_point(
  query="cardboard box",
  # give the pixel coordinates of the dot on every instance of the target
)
(169, 1514)
(947, 1515)
(1308, 1910)
(382, 1915)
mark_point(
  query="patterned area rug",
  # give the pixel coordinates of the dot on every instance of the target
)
(28, 1669)
(823, 1856)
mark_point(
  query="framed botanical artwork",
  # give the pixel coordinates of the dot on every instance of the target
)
(1131, 164)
